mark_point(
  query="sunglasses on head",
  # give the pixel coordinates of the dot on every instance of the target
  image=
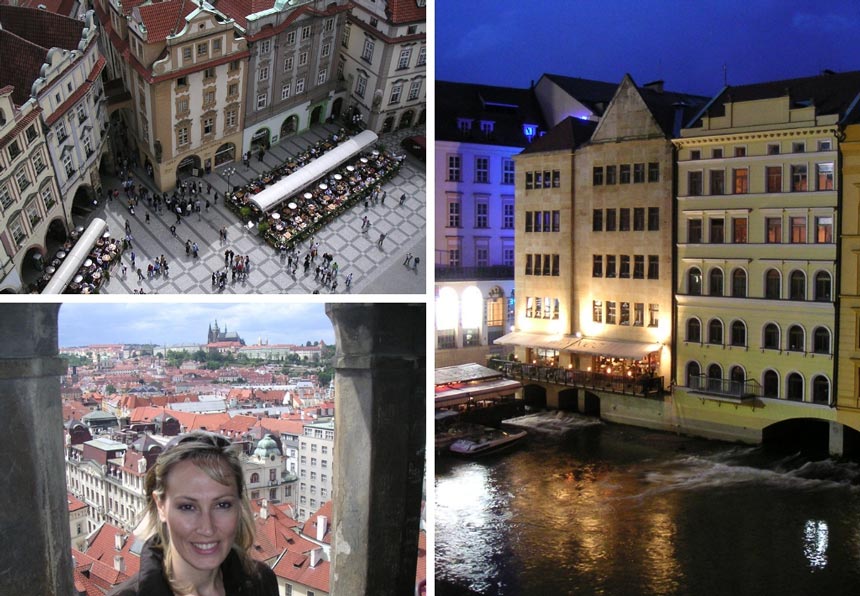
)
(198, 436)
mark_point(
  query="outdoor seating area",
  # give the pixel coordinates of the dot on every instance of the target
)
(328, 188)
(83, 262)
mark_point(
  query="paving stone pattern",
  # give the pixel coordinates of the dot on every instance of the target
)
(374, 269)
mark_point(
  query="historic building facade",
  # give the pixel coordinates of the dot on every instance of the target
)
(293, 81)
(384, 62)
(52, 134)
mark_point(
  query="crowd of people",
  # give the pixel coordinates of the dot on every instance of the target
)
(92, 273)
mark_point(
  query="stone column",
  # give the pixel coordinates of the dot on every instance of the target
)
(379, 446)
(34, 516)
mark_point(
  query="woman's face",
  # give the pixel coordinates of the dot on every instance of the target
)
(202, 517)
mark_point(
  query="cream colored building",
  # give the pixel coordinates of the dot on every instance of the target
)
(185, 68)
(316, 466)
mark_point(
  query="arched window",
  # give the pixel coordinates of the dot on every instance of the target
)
(739, 333)
(255, 478)
(796, 339)
(694, 282)
(772, 284)
(738, 376)
(715, 378)
(797, 286)
(821, 340)
(771, 336)
(770, 382)
(715, 332)
(715, 283)
(694, 331)
(795, 387)
(821, 390)
(739, 283)
(822, 286)
(693, 374)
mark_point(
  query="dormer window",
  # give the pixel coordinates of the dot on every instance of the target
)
(487, 126)
(530, 130)
(464, 124)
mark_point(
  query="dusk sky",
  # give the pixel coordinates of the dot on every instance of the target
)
(171, 323)
(685, 43)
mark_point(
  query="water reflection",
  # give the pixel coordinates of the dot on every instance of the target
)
(815, 539)
(600, 509)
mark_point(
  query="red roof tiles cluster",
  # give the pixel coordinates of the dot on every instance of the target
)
(164, 18)
(406, 11)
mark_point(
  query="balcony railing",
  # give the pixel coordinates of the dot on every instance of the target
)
(444, 273)
(726, 388)
(644, 385)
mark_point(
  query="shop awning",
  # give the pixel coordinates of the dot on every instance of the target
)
(633, 350)
(77, 255)
(537, 340)
(287, 187)
(462, 393)
(581, 345)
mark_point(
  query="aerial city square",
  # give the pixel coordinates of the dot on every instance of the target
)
(646, 298)
(183, 147)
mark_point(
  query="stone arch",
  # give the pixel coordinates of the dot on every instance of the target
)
(406, 119)
(387, 125)
(187, 167)
(317, 115)
(290, 126)
(225, 153)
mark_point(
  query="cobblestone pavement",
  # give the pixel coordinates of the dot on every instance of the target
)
(374, 269)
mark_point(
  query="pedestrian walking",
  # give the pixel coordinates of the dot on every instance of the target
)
(147, 217)
(381, 240)
(402, 198)
(415, 263)
(132, 258)
(408, 259)
(173, 231)
(139, 274)
(348, 281)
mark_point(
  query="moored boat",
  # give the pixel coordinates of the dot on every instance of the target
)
(490, 441)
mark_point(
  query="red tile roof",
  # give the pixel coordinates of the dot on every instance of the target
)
(102, 547)
(281, 426)
(296, 568)
(42, 28)
(75, 504)
(310, 527)
(238, 10)
(406, 11)
(22, 61)
(165, 18)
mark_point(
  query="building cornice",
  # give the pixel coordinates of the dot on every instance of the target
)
(754, 135)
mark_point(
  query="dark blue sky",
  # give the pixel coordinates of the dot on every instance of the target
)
(684, 42)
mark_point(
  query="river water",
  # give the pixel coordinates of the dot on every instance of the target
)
(584, 507)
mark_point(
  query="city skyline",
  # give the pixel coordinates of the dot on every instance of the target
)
(685, 44)
(177, 323)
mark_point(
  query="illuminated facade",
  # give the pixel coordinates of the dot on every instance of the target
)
(757, 210)
(848, 349)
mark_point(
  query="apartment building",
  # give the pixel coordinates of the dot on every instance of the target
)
(316, 465)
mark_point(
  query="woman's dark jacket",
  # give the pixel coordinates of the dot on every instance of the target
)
(150, 581)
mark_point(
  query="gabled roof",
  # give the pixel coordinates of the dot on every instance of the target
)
(165, 18)
(830, 93)
(595, 95)
(570, 133)
(42, 28)
(296, 568)
(20, 66)
(102, 547)
(238, 10)
(507, 107)
(310, 527)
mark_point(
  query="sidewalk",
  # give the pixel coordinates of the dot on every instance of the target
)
(374, 269)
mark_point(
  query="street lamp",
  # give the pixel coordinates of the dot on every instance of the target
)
(229, 172)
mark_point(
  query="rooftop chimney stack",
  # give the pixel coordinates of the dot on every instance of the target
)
(322, 527)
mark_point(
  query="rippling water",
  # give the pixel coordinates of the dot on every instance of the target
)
(588, 508)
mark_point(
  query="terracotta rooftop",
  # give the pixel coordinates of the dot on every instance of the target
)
(165, 18)
(42, 28)
(238, 10)
(406, 11)
(22, 61)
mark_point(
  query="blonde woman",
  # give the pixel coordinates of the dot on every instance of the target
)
(198, 525)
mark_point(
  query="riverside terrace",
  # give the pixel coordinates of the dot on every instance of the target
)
(297, 212)
(376, 269)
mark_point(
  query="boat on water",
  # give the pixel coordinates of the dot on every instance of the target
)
(460, 430)
(489, 441)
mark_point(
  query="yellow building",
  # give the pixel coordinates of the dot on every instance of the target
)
(757, 255)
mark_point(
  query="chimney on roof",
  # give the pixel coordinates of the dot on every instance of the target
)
(322, 526)
(316, 557)
(264, 509)
(119, 563)
(655, 86)
(119, 541)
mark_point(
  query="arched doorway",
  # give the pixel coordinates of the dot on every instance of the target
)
(406, 119)
(84, 203)
(260, 139)
(225, 153)
(336, 107)
(316, 115)
(290, 126)
(387, 124)
(422, 117)
(188, 166)
(33, 265)
(57, 233)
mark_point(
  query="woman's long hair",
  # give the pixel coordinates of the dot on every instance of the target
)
(219, 459)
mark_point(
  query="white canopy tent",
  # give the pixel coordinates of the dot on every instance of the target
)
(75, 257)
(272, 195)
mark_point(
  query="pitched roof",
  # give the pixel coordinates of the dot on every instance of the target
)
(102, 547)
(22, 61)
(310, 527)
(296, 568)
(665, 105)
(42, 28)
(595, 95)
(406, 11)
(570, 133)
(164, 18)
(507, 107)
(238, 10)
(830, 93)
